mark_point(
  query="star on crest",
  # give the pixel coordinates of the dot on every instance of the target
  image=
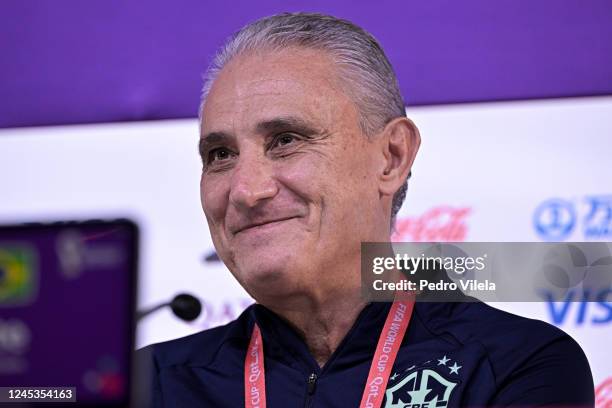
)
(443, 360)
(454, 369)
(394, 376)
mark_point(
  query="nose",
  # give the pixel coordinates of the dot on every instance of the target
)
(252, 182)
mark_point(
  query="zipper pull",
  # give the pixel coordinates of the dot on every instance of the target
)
(312, 383)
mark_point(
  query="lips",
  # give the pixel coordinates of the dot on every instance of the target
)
(255, 224)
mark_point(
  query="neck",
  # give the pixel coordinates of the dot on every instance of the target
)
(322, 323)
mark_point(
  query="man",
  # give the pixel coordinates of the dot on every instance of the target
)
(306, 153)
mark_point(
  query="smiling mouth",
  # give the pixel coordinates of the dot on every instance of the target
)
(261, 224)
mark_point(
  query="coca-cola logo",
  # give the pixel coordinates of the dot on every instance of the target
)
(438, 224)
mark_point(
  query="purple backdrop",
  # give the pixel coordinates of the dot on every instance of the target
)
(79, 61)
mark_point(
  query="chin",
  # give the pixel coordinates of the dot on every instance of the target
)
(265, 275)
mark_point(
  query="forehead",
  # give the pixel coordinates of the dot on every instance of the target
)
(260, 86)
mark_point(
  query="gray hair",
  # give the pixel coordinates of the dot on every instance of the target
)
(365, 71)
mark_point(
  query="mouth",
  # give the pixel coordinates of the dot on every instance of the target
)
(261, 224)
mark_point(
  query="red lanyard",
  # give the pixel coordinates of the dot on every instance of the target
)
(388, 345)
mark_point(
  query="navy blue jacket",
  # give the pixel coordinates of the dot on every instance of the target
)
(453, 354)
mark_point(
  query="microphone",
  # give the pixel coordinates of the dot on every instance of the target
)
(184, 306)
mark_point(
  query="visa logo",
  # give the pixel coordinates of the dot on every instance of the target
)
(590, 308)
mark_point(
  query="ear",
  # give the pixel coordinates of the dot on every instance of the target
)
(400, 141)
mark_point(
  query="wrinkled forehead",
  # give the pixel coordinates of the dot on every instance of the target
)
(263, 85)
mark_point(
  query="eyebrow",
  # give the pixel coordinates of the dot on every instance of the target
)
(285, 124)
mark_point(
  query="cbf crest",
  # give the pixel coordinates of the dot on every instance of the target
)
(430, 385)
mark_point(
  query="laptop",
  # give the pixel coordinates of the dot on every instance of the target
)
(67, 309)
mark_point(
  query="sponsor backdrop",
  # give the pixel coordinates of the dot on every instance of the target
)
(508, 171)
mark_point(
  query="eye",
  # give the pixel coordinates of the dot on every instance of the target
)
(219, 154)
(285, 139)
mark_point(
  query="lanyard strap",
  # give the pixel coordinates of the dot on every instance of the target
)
(388, 345)
(254, 373)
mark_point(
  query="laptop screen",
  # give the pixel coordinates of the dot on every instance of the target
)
(67, 298)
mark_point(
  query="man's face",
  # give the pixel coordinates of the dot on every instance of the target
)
(288, 185)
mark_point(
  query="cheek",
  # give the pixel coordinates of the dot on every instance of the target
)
(306, 177)
(352, 187)
(319, 183)
(214, 201)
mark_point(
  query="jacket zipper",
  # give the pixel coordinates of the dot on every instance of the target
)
(311, 386)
